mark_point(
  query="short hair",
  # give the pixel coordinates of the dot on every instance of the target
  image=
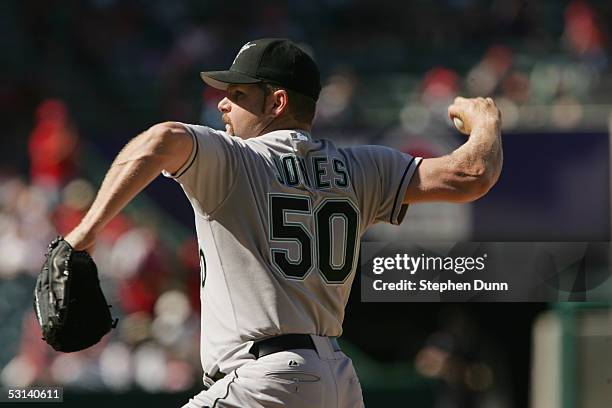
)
(301, 107)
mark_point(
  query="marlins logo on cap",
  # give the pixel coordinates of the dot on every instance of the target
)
(244, 47)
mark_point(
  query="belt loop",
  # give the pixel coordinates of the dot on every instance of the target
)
(334, 343)
(324, 347)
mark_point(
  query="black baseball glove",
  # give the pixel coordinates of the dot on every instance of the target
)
(68, 301)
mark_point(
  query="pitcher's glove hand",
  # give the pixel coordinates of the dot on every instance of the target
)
(68, 301)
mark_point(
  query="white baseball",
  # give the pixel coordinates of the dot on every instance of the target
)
(458, 124)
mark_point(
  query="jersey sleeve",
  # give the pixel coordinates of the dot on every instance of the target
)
(208, 175)
(381, 176)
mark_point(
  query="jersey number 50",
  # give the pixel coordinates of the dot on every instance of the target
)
(329, 216)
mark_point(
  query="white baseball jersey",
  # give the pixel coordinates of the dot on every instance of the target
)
(279, 218)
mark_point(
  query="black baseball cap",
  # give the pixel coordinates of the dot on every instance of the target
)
(274, 60)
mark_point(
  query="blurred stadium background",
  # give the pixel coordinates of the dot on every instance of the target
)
(83, 77)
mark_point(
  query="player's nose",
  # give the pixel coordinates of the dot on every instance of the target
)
(224, 105)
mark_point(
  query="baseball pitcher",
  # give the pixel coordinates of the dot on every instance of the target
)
(279, 215)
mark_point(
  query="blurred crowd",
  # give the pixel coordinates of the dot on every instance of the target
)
(153, 290)
(384, 64)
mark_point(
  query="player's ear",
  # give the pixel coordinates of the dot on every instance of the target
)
(281, 102)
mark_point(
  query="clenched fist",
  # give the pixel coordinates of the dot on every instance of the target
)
(473, 113)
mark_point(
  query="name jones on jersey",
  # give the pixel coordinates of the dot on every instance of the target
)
(327, 172)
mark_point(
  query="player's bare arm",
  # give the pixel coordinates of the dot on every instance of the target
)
(469, 172)
(165, 146)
